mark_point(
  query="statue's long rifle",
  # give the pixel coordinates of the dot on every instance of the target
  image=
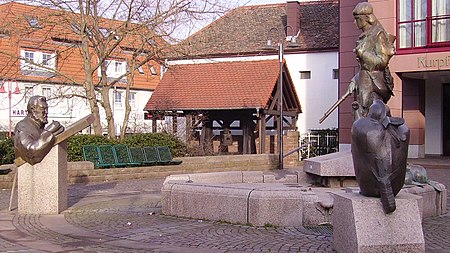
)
(334, 106)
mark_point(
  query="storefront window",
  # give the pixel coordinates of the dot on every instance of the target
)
(423, 23)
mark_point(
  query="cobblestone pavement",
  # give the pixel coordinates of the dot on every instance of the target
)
(125, 217)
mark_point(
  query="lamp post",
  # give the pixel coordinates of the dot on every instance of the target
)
(16, 91)
(291, 43)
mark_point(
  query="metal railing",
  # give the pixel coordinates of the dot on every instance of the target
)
(319, 142)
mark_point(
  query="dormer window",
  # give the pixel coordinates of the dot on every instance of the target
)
(36, 62)
(76, 28)
(4, 33)
(33, 22)
(151, 42)
(152, 70)
(105, 32)
(114, 68)
(141, 70)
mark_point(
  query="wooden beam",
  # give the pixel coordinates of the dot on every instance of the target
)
(174, 124)
(189, 132)
(285, 113)
(262, 133)
(154, 129)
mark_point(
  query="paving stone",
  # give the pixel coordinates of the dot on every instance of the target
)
(115, 217)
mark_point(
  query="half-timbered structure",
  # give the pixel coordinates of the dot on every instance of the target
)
(239, 101)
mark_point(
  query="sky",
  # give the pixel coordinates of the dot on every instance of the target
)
(255, 2)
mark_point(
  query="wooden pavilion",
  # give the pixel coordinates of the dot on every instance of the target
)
(227, 100)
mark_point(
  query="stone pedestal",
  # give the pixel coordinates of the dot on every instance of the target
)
(360, 224)
(42, 188)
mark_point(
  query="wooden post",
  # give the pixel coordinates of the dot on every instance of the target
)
(262, 133)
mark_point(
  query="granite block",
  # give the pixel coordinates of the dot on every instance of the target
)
(217, 177)
(338, 164)
(360, 225)
(269, 179)
(210, 202)
(275, 207)
(252, 176)
(42, 188)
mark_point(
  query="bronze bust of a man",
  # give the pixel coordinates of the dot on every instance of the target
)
(32, 140)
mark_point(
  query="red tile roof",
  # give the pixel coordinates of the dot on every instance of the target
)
(214, 86)
(246, 30)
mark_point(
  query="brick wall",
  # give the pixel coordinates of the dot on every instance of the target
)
(291, 141)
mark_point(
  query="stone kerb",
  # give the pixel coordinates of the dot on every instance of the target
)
(262, 198)
(277, 205)
(211, 202)
(226, 177)
(257, 204)
(360, 224)
(237, 197)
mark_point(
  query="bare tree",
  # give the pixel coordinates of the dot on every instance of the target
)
(136, 31)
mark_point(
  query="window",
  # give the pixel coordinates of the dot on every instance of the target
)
(118, 68)
(46, 91)
(423, 23)
(141, 70)
(29, 56)
(45, 59)
(132, 98)
(117, 99)
(28, 92)
(305, 74)
(114, 68)
(335, 73)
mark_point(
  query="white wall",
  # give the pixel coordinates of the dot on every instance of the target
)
(69, 110)
(433, 118)
(316, 95)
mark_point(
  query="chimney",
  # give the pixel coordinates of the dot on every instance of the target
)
(293, 16)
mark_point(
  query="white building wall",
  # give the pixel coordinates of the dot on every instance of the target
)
(316, 95)
(67, 110)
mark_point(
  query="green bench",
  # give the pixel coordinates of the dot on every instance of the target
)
(91, 153)
(161, 155)
(104, 156)
(165, 156)
(138, 155)
(123, 156)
